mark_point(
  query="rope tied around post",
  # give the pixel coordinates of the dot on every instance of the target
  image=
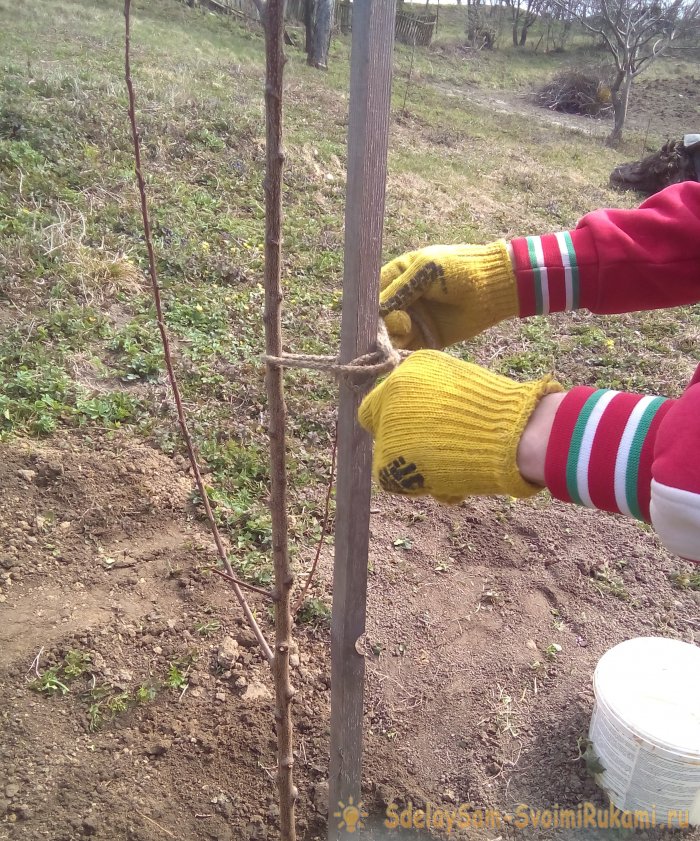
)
(380, 361)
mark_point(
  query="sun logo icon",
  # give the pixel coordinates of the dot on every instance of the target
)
(350, 815)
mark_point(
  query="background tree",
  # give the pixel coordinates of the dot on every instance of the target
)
(559, 25)
(523, 14)
(636, 33)
(318, 20)
(480, 30)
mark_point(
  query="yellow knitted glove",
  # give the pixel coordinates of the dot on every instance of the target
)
(447, 293)
(449, 428)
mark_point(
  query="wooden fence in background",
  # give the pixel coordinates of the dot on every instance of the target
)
(343, 13)
(241, 8)
(410, 29)
(415, 29)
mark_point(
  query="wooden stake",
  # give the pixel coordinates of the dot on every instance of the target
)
(370, 103)
(274, 49)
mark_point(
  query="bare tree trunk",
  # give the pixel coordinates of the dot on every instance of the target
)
(274, 380)
(620, 92)
(322, 28)
(309, 28)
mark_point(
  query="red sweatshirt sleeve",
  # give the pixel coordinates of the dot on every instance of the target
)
(616, 260)
(634, 455)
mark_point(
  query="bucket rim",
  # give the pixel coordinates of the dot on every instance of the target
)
(641, 734)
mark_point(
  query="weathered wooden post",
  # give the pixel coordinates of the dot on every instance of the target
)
(370, 101)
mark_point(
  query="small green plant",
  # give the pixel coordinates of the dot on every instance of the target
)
(253, 566)
(138, 352)
(105, 705)
(106, 702)
(75, 663)
(176, 678)
(403, 543)
(587, 753)
(552, 651)
(685, 580)
(94, 715)
(207, 628)
(314, 612)
(119, 703)
(145, 693)
(55, 679)
(606, 581)
(178, 671)
(504, 713)
(49, 682)
(109, 409)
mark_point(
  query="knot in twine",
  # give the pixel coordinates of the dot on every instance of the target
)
(380, 361)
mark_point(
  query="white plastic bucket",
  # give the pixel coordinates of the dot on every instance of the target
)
(645, 728)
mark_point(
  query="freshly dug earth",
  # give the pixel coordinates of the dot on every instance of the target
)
(666, 106)
(102, 554)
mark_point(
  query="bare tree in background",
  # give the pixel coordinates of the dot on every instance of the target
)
(480, 30)
(318, 20)
(523, 14)
(559, 25)
(636, 33)
(318, 17)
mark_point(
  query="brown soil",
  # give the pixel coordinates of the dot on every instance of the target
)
(669, 107)
(101, 552)
(659, 108)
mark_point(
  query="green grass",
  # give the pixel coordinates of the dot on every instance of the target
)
(509, 68)
(78, 341)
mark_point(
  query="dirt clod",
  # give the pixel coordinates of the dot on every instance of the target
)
(90, 826)
(320, 798)
(256, 691)
(227, 653)
(158, 747)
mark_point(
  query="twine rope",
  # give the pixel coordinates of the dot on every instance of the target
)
(380, 361)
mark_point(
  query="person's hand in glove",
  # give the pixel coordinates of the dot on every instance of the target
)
(442, 294)
(450, 429)
(613, 261)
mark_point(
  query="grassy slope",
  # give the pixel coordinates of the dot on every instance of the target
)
(79, 345)
(520, 69)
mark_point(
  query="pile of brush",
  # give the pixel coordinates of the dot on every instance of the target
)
(576, 92)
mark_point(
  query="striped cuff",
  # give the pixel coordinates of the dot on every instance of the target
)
(601, 449)
(550, 270)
